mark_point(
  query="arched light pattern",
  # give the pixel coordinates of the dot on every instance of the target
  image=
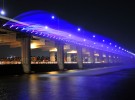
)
(40, 23)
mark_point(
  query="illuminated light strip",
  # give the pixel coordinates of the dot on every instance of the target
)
(59, 33)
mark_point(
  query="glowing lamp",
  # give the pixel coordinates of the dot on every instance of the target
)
(53, 17)
(94, 36)
(46, 27)
(2, 12)
(79, 29)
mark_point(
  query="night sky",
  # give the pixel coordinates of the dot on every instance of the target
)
(115, 20)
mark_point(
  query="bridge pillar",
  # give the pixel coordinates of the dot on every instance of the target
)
(110, 58)
(92, 56)
(89, 58)
(100, 57)
(25, 53)
(79, 57)
(60, 55)
(107, 58)
(68, 57)
(52, 56)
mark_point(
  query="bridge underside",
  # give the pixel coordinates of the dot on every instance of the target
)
(60, 53)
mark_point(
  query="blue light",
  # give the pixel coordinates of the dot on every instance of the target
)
(23, 28)
(41, 21)
(11, 26)
(4, 25)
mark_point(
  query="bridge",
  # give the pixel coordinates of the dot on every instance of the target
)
(65, 42)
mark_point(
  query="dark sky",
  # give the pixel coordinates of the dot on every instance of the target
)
(112, 19)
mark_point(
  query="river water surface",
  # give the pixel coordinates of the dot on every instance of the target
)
(112, 86)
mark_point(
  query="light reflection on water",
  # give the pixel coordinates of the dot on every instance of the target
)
(34, 87)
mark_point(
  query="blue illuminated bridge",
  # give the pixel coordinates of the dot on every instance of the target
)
(66, 43)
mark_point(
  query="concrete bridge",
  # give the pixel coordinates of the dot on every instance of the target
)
(64, 46)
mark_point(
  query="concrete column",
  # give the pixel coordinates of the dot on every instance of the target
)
(25, 52)
(106, 58)
(114, 59)
(79, 57)
(89, 58)
(92, 57)
(110, 58)
(96, 57)
(100, 57)
(68, 57)
(60, 55)
(52, 56)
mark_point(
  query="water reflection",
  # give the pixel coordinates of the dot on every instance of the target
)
(34, 87)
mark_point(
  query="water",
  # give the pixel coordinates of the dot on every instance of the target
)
(112, 86)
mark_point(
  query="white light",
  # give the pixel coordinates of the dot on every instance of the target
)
(103, 40)
(46, 27)
(94, 36)
(2, 12)
(79, 29)
(69, 35)
(115, 45)
(84, 39)
(110, 43)
(53, 17)
(23, 28)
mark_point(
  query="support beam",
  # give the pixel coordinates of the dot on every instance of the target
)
(60, 55)
(79, 57)
(25, 52)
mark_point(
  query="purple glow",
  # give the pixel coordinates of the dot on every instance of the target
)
(69, 35)
(43, 24)
(84, 39)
